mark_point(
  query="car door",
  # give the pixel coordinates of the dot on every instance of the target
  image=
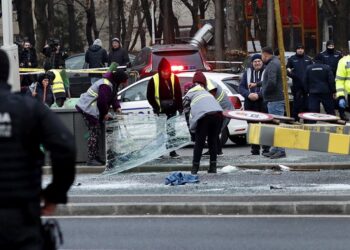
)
(134, 99)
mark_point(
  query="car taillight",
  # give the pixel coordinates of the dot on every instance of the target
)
(236, 102)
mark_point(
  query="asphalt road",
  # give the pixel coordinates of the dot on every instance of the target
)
(240, 233)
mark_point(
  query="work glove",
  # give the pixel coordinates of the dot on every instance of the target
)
(342, 103)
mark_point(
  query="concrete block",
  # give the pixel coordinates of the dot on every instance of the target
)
(271, 208)
(317, 208)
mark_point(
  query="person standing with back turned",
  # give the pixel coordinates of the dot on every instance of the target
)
(25, 124)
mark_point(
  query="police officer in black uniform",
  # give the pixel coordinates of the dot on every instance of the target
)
(320, 87)
(25, 124)
(296, 67)
(331, 57)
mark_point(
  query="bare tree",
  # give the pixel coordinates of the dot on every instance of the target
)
(219, 30)
(234, 10)
(342, 20)
(72, 27)
(114, 18)
(168, 17)
(146, 10)
(270, 34)
(42, 28)
(25, 19)
(133, 9)
(193, 8)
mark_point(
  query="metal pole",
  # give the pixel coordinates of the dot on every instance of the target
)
(282, 57)
(10, 48)
(153, 24)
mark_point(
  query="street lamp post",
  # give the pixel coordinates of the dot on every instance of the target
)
(8, 46)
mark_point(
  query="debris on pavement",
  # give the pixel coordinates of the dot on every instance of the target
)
(178, 178)
(228, 169)
(275, 187)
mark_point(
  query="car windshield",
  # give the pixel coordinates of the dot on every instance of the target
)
(75, 62)
(190, 60)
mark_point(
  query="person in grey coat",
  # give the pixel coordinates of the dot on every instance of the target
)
(272, 92)
(205, 120)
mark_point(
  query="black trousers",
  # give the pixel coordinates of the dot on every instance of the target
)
(21, 227)
(209, 127)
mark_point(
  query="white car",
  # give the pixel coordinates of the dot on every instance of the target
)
(134, 100)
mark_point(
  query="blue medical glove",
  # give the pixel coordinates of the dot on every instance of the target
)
(342, 103)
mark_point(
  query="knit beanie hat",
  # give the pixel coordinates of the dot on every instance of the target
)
(200, 78)
(4, 66)
(98, 42)
(255, 56)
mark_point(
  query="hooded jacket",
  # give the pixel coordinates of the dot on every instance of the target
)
(166, 91)
(96, 57)
(119, 56)
(331, 58)
(96, 102)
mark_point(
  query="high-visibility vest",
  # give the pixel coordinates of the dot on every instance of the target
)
(342, 79)
(219, 95)
(58, 86)
(156, 88)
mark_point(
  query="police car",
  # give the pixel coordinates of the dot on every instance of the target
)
(134, 100)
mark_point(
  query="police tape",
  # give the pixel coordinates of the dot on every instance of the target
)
(302, 139)
(35, 71)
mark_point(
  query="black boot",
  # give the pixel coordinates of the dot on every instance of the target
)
(212, 167)
(195, 168)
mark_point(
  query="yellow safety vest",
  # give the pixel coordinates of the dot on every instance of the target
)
(342, 79)
(219, 96)
(156, 87)
(58, 86)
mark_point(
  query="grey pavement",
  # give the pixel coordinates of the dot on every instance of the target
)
(203, 233)
(316, 184)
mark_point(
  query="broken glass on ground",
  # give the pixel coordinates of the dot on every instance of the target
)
(132, 140)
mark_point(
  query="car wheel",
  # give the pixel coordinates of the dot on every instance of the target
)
(224, 136)
(239, 139)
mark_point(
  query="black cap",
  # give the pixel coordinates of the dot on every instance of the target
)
(329, 42)
(4, 66)
(299, 46)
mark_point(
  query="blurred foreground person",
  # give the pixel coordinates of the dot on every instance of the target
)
(94, 105)
(205, 121)
(25, 125)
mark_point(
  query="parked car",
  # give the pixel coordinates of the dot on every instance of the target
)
(134, 100)
(80, 82)
(182, 57)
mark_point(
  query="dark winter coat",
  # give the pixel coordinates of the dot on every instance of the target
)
(319, 79)
(331, 58)
(165, 92)
(298, 65)
(119, 56)
(25, 125)
(56, 60)
(96, 57)
(39, 90)
(272, 87)
(28, 56)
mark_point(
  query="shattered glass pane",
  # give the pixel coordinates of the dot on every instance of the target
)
(132, 140)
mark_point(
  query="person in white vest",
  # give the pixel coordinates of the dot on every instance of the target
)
(253, 97)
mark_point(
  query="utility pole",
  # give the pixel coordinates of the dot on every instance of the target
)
(282, 57)
(8, 46)
(219, 31)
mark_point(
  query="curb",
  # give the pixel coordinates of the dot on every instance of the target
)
(212, 208)
(187, 167)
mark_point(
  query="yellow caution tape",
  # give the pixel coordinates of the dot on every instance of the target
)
(297, 138)
(30, 71)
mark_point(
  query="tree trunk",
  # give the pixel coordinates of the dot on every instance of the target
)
(114, 19)
(219, 31)
(232, 24)
(42, 28)
(203, 6)
(50, 17)
(134, 8)
(25, 19)
(270, 34)
(72, 27)
(159, 30)
(341, 28)
(291, 27)
(123, 21)
(91, 22)
(194, 13)
(167, 12)
(146, 10)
